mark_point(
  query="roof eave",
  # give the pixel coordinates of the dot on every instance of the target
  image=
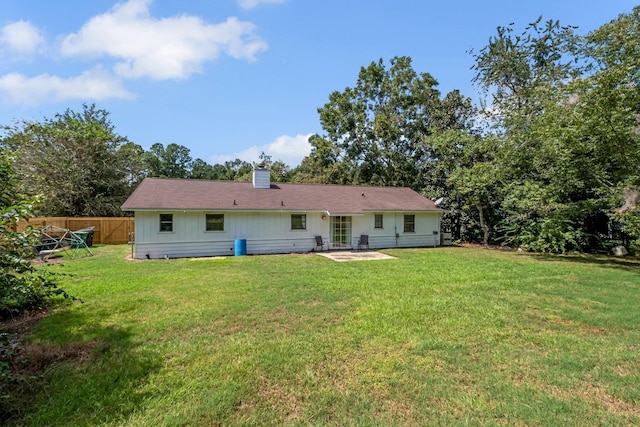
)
(321, 211)
(206, 209)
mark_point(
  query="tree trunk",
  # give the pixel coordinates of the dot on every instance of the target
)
(483, 226)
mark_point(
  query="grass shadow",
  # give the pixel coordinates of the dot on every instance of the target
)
(79, 370)
(630, 264)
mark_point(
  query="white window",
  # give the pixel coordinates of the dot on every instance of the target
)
(409, 223)
(298, 222)
(166, 222)
(214, 222)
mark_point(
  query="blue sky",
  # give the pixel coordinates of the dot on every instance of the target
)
(232, 78)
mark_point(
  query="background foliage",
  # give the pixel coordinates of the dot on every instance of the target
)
(22, 286)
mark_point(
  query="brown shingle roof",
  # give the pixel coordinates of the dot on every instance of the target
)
(191, 194)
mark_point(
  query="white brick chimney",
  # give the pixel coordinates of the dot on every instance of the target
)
(261, 178)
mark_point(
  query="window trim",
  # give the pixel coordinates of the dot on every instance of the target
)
(164, 222)
(375, 221)
(206, 222)
(409, 223)
(303, 222)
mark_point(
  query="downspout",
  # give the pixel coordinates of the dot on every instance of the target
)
(329, 240)
(395, 226)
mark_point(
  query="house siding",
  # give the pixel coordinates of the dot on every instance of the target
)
(265, 232)
(270, 232)
(393, 223)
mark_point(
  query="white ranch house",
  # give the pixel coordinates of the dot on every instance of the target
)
(197, 218)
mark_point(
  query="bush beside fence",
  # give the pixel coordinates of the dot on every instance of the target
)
(108, 231)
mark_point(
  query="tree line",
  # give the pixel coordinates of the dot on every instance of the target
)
(548, 160)
(82, 167)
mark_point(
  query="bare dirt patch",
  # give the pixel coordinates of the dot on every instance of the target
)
(481, 246)
(26, 362)
(23, 324)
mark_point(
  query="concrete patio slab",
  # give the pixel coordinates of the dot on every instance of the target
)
(344, 256)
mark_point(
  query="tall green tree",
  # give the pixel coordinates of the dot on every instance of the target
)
(174, 161)
(375, 130)
(133, 158)
(203, 170)
(234, 170)
(468, 178)
(609, 100)
(324, 165)
(73, 160)
(565, 108)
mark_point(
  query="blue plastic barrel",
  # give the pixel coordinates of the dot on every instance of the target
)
(241, 247)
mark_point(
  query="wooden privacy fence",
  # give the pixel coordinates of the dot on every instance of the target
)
(108, 231)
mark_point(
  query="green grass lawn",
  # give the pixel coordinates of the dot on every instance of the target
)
(448, 336)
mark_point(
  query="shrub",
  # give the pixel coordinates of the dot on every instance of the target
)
(22, 285)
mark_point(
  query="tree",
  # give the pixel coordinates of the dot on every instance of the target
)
(565, 110)
(375, 130)
(237, 170)
(323, 165)
(73, 160)
(203, 170)
(174, 161)
(609, 100)
(390, 130)
(279, 170)
(133, 159)
(514, 68)
(22, 286)
(467, 177)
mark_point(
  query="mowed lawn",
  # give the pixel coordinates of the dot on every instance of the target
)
(447, 336)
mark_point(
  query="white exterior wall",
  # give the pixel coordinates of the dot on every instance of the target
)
(393, 224)
(265, 232)
(269, 232)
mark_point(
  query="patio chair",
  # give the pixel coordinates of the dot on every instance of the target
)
(364, 241)
(321, 243)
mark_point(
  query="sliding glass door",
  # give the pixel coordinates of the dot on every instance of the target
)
(340, 232)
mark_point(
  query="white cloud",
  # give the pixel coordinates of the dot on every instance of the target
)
(21, 37)
(290, 149)
(250, 4)
(165, 48)
(94, 84)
